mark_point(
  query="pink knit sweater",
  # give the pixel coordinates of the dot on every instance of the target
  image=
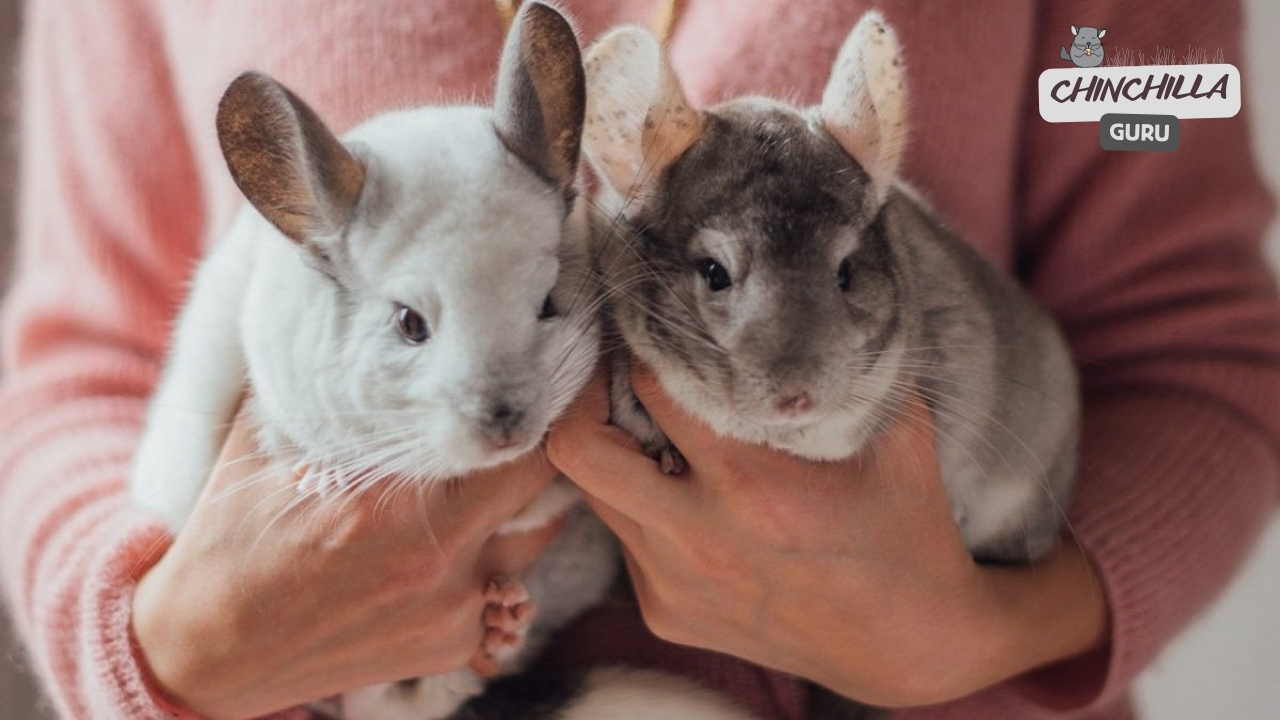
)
(1150, 261)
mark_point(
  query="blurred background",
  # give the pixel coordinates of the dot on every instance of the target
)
(1226, 666)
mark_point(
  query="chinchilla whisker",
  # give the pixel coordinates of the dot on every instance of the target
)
(955, 415)
(988, 374)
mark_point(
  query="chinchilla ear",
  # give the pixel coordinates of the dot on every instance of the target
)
(1102, 32)
(864, 103)
(638, 119)
(541, 94)
(1075, 30)
(286, 162)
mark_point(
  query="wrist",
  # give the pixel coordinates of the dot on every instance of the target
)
(173, 654)
(1047, 612)
(154, 640)
(1007, 621)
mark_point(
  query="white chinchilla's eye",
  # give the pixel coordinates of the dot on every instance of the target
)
(411, 325)
(548, 310)
(716, 275)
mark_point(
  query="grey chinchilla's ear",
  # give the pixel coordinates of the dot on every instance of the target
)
(297, 174)
(541, 95)
(864, 105)
(1075, 30)
(1102, 32)
(638, 119)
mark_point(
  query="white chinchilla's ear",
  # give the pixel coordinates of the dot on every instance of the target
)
(1075, 30)
(541, 94)
(864, 103)
(285, 161)
(638, 120)
(1101, 33)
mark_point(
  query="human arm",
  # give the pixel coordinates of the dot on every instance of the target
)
(83, 326)
(1152, 263)
(113, 217)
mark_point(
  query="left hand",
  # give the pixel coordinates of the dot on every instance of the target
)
(851, 574)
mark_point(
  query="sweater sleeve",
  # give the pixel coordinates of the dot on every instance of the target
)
(1153, 264)
(109, 224)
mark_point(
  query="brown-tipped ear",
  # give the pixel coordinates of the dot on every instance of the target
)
(638, 120)
(285, 161)
(541, 94)
(864, 103)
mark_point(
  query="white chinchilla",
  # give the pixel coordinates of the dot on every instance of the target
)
(410, 303)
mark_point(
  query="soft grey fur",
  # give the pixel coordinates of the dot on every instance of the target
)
(784, 206)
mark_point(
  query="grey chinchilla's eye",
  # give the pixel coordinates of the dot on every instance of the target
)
(411, 325)
(715, 274)
(844, 276)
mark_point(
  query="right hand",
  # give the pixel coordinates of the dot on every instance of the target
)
(264, 602)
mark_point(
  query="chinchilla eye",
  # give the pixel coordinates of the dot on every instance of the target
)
(548, 310)
(715, 274)
(411, 325)
(844, 276)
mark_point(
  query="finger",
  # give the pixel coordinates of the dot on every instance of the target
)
(242, 472)
(512, 555)
(607, 463)
(906, 449)
(592, 402)
(695, 439)
(913, 427)
(628, 530)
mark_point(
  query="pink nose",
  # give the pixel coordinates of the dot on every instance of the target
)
(795, 403)
(503, 441)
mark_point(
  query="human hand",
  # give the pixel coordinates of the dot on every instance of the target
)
(851, 574)
(264, 602)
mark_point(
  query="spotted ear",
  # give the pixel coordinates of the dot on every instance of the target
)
(286, 162)
(864, 103)
(638, 119)
(541, 94)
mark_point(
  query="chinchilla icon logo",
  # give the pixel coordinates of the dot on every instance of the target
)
(1086, 49)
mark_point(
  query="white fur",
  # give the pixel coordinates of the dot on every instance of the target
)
(432, 697)
(455, 227)
(627, 694)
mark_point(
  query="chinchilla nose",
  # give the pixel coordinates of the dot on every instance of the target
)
(794, 404)
(502, 427)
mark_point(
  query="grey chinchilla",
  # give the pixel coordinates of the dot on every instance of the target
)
(787, 289)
